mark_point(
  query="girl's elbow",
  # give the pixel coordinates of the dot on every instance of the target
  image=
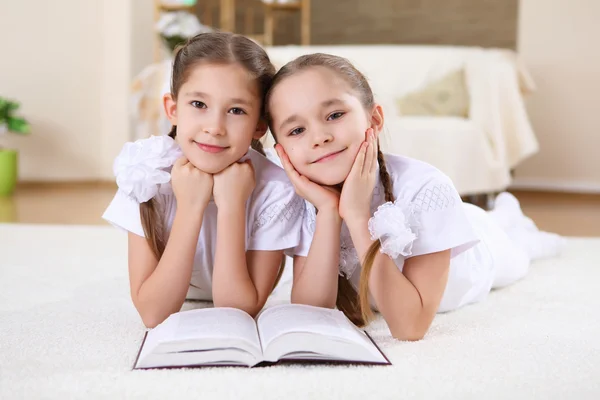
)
(312, 301)
(408, 336)
(250, 308)
(408, 332)
(151, 319)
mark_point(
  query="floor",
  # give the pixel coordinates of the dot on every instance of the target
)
(69, 330)
(83, 203)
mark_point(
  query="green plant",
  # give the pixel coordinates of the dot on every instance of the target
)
(8, 118)
(173, 41)
(9, 122)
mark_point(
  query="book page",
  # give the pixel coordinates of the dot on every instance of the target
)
(216, 323)
(206, 323)
(279, 320)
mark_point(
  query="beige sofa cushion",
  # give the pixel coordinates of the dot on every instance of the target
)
(447, 96)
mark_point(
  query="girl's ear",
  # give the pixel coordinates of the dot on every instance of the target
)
(170, 108)
(261, 129)
(377, 119)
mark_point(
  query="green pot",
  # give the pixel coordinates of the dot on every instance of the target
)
(8, 171)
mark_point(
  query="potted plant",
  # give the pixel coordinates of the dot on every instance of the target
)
(9, 123)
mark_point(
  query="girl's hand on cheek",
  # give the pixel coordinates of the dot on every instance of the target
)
(192, 187)
(234, 185)
(355, 200)
(323, 198)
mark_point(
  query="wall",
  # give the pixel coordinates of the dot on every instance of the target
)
(560, 43)
(70, 64)
(52, 64)
(115, 81)
(142, 35)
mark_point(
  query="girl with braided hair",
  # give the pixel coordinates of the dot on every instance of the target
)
(384, 232)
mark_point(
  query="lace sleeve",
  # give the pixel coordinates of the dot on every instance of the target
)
(441, 219)
(430, 220)
(307, 230)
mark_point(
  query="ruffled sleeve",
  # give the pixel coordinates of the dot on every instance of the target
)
(142, 167)
(142, 171)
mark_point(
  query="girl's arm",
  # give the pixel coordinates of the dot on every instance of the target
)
(407, 300)
(316, 276)
(241, 280)
(158, 288)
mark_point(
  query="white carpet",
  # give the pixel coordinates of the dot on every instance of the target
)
(68, 330)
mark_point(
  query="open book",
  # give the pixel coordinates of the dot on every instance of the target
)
(230, 337)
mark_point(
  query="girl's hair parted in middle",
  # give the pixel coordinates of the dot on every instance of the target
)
(218, 48)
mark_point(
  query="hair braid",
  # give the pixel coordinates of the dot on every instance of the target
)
(258, 146)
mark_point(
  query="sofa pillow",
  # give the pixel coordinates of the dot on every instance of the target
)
(447, 96)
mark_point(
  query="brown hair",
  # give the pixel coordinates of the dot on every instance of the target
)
(213, 47)
(355, 306)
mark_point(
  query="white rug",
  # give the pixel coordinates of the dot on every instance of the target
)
(68, 330)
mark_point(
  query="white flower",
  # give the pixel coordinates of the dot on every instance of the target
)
(172, 30)
(394, 225)
(141, 167)
(180, 23)
(164, 21)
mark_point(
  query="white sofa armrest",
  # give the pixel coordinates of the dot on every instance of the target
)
(496, 84)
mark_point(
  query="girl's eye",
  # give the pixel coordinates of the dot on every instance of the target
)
(335, 115)
(296, 131)
(198, 104)
(237, 111)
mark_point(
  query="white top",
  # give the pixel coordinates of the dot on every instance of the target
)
(273, 218)
(435, 217)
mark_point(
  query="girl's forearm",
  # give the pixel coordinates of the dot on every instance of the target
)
(395, 296)
(163, 293)
(232, 285)
(317, 283)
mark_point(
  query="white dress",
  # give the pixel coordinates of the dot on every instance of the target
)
(274, 216)
(482, 254)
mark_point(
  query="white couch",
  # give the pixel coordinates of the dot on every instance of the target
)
(477, 152)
